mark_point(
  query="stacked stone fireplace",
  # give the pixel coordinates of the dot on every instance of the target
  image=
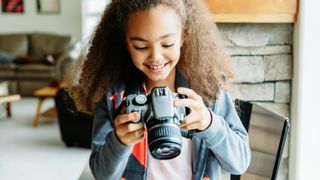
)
(262, 55)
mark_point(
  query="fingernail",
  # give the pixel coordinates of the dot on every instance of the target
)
(136, 115)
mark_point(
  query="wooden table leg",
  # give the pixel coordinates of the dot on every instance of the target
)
(8, 109)
(36, 120)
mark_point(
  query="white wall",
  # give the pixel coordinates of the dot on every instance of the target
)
(305, 131)
(68, 21)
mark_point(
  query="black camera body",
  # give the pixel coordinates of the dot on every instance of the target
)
(161, 118)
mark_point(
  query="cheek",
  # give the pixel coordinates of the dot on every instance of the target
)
(137, 58)
(175, 54)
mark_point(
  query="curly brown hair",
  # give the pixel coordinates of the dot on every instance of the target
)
(108, 61)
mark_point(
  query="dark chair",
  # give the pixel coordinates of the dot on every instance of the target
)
(75, 126)
(267, 134)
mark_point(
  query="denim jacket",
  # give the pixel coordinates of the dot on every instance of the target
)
(224, 144)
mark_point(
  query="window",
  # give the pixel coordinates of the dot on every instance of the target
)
(92, 11)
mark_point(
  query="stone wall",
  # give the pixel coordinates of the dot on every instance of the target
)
(262, 55)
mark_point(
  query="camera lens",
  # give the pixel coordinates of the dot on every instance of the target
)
(167, 150)
(164, 138)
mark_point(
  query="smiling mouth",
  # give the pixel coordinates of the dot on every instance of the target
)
(157, 67)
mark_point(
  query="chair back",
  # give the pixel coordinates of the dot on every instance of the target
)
(267, 135)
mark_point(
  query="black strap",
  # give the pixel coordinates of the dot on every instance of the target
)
(135, 84)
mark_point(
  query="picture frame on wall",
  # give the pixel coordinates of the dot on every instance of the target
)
(48, 6)
(12, 6)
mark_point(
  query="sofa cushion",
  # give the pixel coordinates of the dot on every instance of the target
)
(7, 71)
(26, 87)
(35, 71)
(7, 66)
(42, 45)
(15, 44)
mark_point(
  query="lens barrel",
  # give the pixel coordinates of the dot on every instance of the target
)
(164, 138)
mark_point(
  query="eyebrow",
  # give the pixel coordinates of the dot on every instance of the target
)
(144, 40)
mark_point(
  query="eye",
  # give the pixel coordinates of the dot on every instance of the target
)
(167, 45)
(139, 48)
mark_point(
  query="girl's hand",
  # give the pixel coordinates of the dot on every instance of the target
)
(199, 117)
(129, 133)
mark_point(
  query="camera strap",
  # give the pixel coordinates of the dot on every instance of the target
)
(135, 85)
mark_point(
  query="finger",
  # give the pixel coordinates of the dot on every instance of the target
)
(192, 104)
(123, 110)
(201, 119)
(191, 126)
(125, 118)
(189, 92)
(184, 102)
(133, 137)
(130, 140)
(129, 127)
(191, 118)
(139, 139)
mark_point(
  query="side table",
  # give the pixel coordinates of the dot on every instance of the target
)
(7, 98)
(42, 94)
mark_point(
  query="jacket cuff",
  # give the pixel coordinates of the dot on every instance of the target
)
(214, 132)
(118, 149)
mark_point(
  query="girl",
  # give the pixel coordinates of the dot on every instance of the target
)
(150, 43)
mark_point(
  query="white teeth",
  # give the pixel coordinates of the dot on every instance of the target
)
(157, 67)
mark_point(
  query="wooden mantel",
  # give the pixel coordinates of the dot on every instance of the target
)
(253, 11)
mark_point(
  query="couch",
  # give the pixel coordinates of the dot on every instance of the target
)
(25, 78)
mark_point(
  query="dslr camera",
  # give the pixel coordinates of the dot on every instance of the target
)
(161, 118)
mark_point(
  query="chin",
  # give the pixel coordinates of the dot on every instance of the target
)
(160, 77)
(157, 78)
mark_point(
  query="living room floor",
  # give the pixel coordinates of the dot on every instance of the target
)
(36, 153)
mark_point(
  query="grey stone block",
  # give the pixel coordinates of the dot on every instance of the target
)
(255, 35)
(253, 92)
(267, 50)
(283, 92)
(278, 67)
(249, 69)
(226, 43)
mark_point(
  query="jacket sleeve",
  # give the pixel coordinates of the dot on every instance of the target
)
(109, 157)
(226, 137)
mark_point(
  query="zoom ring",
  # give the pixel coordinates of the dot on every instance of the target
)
(164, 131)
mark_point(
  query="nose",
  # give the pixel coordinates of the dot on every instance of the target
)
(156, 54)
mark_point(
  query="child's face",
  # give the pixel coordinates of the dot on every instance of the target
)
(154, 39)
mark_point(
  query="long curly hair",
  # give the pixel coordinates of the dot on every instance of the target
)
(107, 60)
